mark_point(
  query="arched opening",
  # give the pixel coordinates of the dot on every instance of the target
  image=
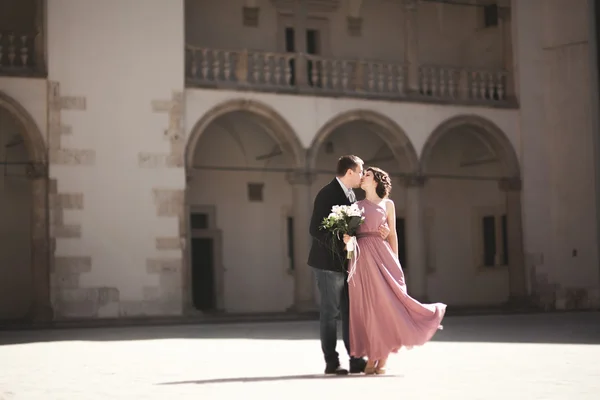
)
(375, 138)
(472, 214)
(24, 235)
(380, 142)
(240, 204)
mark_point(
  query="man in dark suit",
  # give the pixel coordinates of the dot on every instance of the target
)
(330, 267)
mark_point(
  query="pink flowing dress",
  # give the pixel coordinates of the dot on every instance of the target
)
(383, 317)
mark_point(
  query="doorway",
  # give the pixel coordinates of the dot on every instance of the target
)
(206, 273)
(313, 47)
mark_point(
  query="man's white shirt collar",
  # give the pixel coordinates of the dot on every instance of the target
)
(346, 190)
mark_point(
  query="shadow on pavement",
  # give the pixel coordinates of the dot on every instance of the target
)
(566, 328)
(555, 328)
(277, 378)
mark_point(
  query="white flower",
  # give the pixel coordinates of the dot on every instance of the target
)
(342, 212)
(354, 211)
(337, 210)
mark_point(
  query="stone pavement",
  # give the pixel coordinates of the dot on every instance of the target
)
(529, 357)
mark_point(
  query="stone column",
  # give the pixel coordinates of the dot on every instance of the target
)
(41, 309)
(507, 50)
(411, 45)
(516, 260)
(302, 205)
(301, 74)
(40, 38)
(415, 238)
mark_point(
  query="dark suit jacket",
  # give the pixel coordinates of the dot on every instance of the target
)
(321, 255)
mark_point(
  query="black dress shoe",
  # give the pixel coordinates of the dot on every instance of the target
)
(335, 369)
(357, 365)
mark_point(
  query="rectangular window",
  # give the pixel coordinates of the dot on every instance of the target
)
(312, 47)
(255, 192)
(489, 240)
(290, 40)
(490, 15)
(199, 221)
(290, 241)
(290, 47)
(504, 241)
(313, 68)
(495, 240)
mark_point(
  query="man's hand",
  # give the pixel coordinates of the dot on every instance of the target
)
(347, 238)
(384, 231)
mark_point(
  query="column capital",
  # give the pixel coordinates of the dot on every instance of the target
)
(513, 184)
(37, 171)
(300, 177)
(416, 181)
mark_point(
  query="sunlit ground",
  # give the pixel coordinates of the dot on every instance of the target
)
(551, 356)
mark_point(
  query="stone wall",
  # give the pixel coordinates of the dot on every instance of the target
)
(70, 299)
(115, 101)
(559, 200)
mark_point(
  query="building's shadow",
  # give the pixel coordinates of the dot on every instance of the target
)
(572, 328)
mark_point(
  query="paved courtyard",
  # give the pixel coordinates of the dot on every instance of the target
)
(550, 356)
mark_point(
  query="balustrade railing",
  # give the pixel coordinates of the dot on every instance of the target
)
(206, 67)
(452, 83)
(18, 53)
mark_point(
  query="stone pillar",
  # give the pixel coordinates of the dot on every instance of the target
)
(41, 309)
(40, 38)
(507, 50)
(301, 73)
(516, 260)
(302, 204)
(415, 239)
(411, 45)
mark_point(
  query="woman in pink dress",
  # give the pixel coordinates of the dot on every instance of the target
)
(383, 317)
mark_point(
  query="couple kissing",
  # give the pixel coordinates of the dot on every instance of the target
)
(366, 290)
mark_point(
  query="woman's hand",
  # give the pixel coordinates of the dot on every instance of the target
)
(384, 231)
(346, 238)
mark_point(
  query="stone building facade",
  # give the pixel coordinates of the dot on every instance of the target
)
(161, 159)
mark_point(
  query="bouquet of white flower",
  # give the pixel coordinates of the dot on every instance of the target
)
(344, 220)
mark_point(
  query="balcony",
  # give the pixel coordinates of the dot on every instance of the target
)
(360, 78)
(20, 55)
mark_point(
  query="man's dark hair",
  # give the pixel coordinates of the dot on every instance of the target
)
(347, 162)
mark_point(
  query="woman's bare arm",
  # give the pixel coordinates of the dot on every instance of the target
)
(391, 221)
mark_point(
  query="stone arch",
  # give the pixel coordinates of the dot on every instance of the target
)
(279, 128)
(490, 134)
(40, 234)
(34, 140)
(392, 134)
(279, 131)
(509, 184)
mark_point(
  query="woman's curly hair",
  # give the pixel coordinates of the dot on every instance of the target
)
(384, 183)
